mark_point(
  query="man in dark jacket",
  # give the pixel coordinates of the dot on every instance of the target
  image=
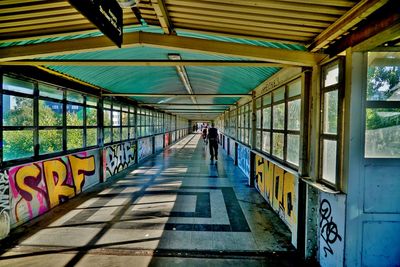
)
(213, 141)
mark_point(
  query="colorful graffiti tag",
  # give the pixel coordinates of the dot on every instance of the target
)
(243, 158)
(279, 188)
(4, 205)
(37, 187)
(118, 157)
(145, 146)
(159, 142)
(331, 229)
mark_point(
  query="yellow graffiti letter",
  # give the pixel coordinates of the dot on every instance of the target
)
(81, 167)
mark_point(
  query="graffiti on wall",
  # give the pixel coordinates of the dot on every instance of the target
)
(145, 148)
(279, 188)
(37, 187)
(244, 159)
(118, 157)
(4, 205)
(159, 142)
(331, 229)
(232, 150)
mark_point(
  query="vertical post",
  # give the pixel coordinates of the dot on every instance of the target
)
(100, 137)
(36, 120)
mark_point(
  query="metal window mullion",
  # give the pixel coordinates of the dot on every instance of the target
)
(1, 119)
(36, 120)
(285, 123)
(84, 122)
(64, 121)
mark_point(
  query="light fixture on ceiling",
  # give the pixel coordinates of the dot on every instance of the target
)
(183, 75)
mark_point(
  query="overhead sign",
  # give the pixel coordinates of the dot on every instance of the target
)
(105, 14)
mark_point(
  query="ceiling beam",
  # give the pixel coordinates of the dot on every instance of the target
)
(143, 63)
(274, 55)
(359, 12)
(381, 28)
(174, 95)
(162, 15)
(181, 104)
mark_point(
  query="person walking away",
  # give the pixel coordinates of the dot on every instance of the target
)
(205, 135)
(213, 141)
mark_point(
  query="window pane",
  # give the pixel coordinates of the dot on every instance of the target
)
(17, 144)
(107, 135)
(50, 91)
(295, 88)
(131, 119)
(279, 94)
(74, 138)
(293, 143)
(50, 113)
(91, 101)
(17, 111)
(382, 135)
(330, 112)
(124, 119)
(132, 133)
(17, 85)
(329, 161)
(331, 75)
(279, 116)
(383, 76)
(267, 99)
(107, 104)
(91, 116)
(258, 102)
(266, 143)
(74, 97)
(107, 117)
(50, 141)
(258, 139)
(294, 115)
(277, 145)
(116, 107)
(258, 119)
(267, 118)
(125, 133)
(74, 115)
(116, 118)
(91, 137)
(116, 134)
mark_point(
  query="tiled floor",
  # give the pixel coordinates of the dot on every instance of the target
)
(174, 209)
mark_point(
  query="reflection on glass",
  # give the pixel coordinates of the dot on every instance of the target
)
(107, 135)
(50, 91)
(74, 97)
(277, 145)
(267, 118)
(330, 112)
(17, 85)
(91, 137)
(279, 94)
(331, 75)
(383, 81)
(266, 142)
(91, 101)
(17, 144)
(294, 88)
(294, 115)
(50, 141)
(382, 135)
(329, 161)
(74, 138)
(278, 116)
(293, 143)
(74, 115)
(17, 111)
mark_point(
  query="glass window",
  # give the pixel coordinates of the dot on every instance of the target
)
(116, 121)
(17, 144)
(125, 131)
(279, 116)
(107, 135)
(91, 101)
(17, 85)
(330, 112)
(91, 137)
(50, 113)
(124, 119)
(74, 138)
(279, 94)
(17, 111)
(293, 145)
(107, 117)
(116, 134)
(277, 144)
(74, 97)
(267, 118)
(294, 115)
(50, 141)
(74, 115)
(329, 161)
(294, 88)
(50, 91)
(331, 75)
(266, 142)
(267, 99)
(91, 116)
(107, 104)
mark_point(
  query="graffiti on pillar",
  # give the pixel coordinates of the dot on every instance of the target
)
(145, 148)
(4, 205)
(119, 157)
(159, 142)
(244, 159)
(37, 187)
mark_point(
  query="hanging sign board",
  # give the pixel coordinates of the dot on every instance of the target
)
(105, 14)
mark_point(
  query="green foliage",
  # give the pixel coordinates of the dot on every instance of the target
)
(17, 144)
(382, 77)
